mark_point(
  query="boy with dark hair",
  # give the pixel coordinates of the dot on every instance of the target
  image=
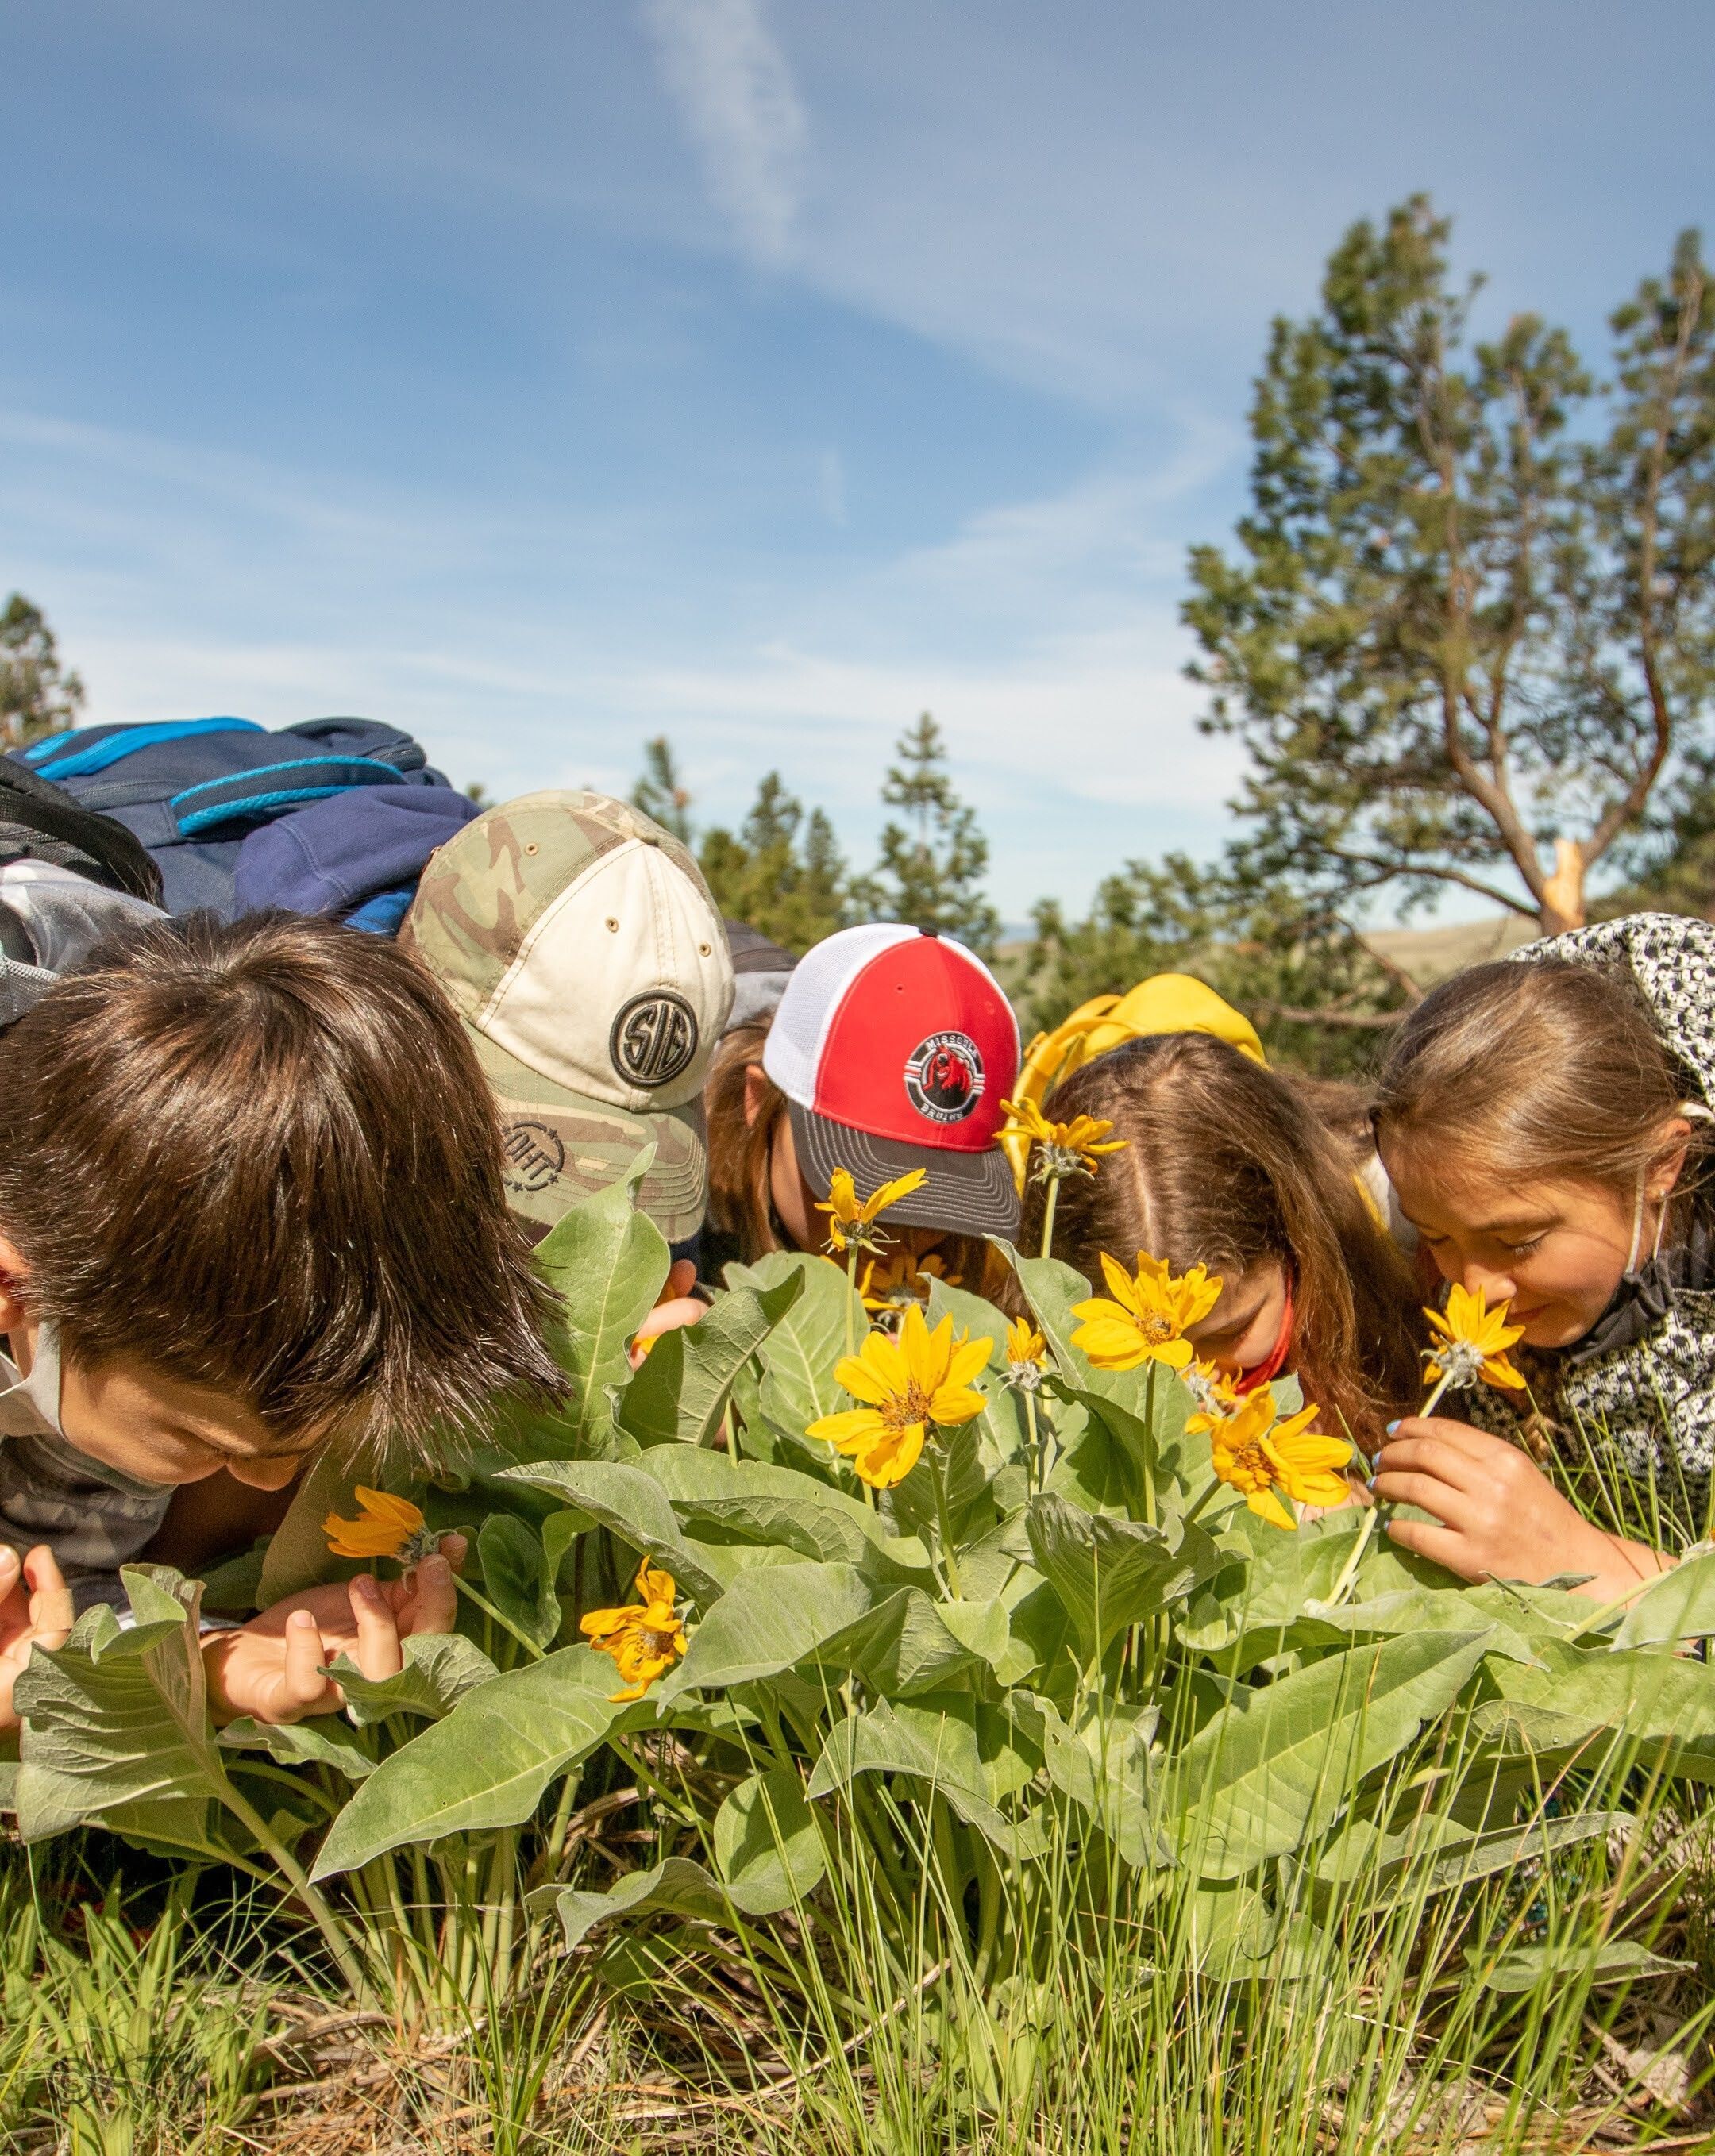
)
(251, 1203)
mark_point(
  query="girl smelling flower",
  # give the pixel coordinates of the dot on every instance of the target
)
(1544, 1121)
(1226, 1167)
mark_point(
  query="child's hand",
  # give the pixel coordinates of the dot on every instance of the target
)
(1501, 1517)
(35, 1610)
(272, 1668)
(677, 1306)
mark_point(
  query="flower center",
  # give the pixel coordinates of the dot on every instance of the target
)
(1247, 1467)
(654, 1642)
(900, 1410)
(1154, 1327)
(1461, 1360)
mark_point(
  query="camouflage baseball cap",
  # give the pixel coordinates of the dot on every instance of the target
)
(580, 946)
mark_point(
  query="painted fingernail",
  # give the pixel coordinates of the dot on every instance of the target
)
(1392, 1427)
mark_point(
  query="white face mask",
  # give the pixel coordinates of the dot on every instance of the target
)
(41, 1389)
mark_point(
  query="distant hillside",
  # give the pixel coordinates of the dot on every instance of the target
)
(1430, 955)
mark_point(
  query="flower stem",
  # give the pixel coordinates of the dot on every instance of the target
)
(851, 1297)
(1035, 1475)
(1149, 1448)
(506, 1624)
(943, 1520)
(1348, 1571)
(1442, 1384)
(1215, 1484)
(1048, 1216)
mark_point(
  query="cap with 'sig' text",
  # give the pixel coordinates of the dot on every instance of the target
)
(894, 1049)
(580, 946)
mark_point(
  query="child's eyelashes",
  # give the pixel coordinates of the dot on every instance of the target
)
(1525, 1250)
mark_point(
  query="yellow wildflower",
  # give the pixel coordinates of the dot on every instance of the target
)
(1064, 1149)
(1216, 1392)
(386, 1526)
(1474, 1342)
(905, 1382)
(900, 1278)
(645, 1637)
(1148, 1317)
(849, 1221)
(1259, 1454)
(1024, 1344)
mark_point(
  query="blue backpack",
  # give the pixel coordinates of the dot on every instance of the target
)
(193, 790)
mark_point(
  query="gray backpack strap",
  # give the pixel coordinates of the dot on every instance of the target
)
(20, 987)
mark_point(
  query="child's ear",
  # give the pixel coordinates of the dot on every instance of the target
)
(13, 1273)
(1673, 1141)
(756, 1092)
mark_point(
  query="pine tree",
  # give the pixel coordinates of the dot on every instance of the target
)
(932, 866)
(660, 793)
(782, 873)
(36, 697)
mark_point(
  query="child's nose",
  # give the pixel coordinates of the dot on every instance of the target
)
(1495, 1286)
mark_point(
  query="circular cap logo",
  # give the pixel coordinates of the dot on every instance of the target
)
(654, 1038)
(943, 1077)
(536, 1157)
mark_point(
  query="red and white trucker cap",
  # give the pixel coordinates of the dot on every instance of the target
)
(894, 1049)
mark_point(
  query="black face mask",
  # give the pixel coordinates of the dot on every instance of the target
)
(1644, 1297)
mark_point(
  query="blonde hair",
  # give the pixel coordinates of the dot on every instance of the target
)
(1548, 1070)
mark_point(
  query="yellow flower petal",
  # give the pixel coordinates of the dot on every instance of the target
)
(848, 1430)
(1268, 1506)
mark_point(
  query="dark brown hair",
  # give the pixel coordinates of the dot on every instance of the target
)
(740, 1162)
(1226, 1165)
(1534, 1071)
(262, 1158)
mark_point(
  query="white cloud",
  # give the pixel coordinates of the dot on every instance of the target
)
(732, 83)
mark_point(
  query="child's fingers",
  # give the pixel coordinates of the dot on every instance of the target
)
(1400, 1486)
(455, 1548)
(378, 1655)
(430, 1601)
(52, 1611)
(1440, 1545)
(302, 1684)
(1429, 1455)
(11, 1569)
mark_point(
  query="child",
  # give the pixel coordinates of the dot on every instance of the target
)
(891, 1049)
(1544, 1120)
(251, 1203)
(1224, 1165)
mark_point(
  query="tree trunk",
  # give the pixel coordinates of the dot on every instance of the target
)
(1563, 894)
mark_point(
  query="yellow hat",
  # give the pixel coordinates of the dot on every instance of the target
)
(1166, 1003)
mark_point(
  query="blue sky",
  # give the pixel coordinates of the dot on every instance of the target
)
(548, 375)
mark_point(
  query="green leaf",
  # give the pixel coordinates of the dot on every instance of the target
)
(607, 1261)
(560, 1531)
(115, 1723)
(630, 1501)
(440, 1667)
(977, 1755)
(676, 1885)
(297, 1555)
(1440, 1856)
(1679, 1605)
(767, 1843)
(1658, 1708)
(516, 1577)
(488, 1762)
(321, 1742)
(1103, 1765)
(680, 1393)
(1110, 1572)
(1002, 1424)
(1279, 1762)
(1522, 1968)
(797, 1386)
(749, 1501)
(829, 1616)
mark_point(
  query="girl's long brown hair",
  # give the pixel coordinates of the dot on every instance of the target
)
(1226, 1164)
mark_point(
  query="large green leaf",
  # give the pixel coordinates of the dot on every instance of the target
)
(829, 1616)
(440, 1667)
(977, 1755)
(749, 1501)
(631, 1501)
(1369, 1866)
(1111, 1573)
(767, 1843)
(1638, 1703)
(1679, 1605)
(606, 1261)
(1281, 1761)
(680, 1393)
(115, 1723)
(516, 1577)
(488, 1762)
(1102, 1764)
(1611, 1961)
(322, 1742)
(797, 1386)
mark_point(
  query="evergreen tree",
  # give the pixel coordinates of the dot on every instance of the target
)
(660, 792)
(1468, 637)
(782, 873)
(932, 866)
(37, 697)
